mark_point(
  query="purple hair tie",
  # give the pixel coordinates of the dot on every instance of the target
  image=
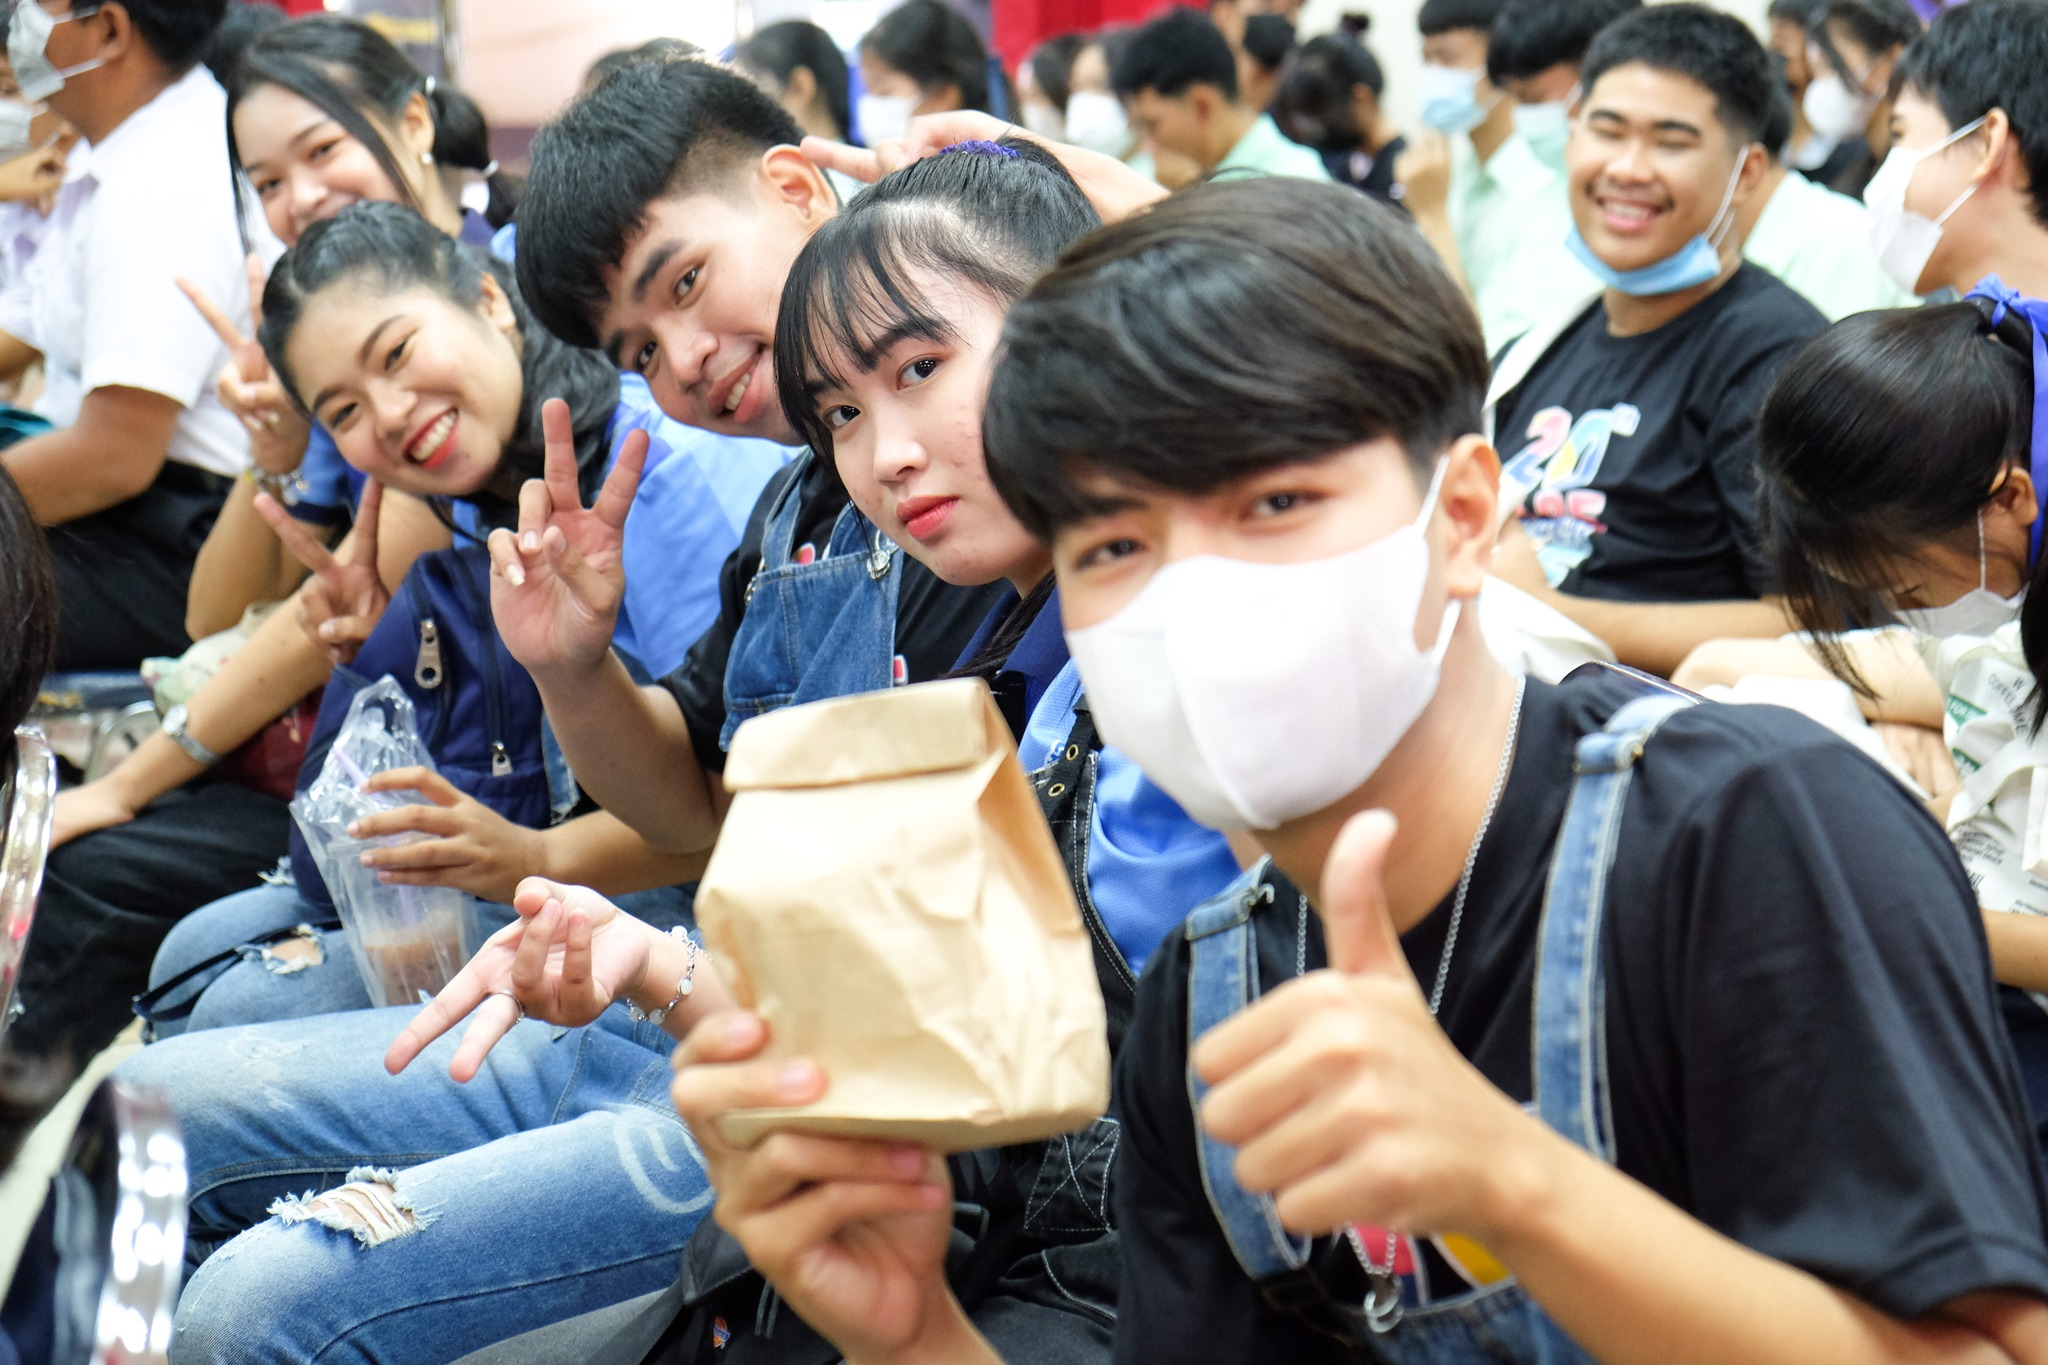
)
(979, 148)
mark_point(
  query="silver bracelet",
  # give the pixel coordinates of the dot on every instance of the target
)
(289, 489)
(174, 727)
(683, 987)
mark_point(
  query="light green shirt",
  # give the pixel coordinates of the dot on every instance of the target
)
(1816, 241)
(1511, 216)
(1265, 150)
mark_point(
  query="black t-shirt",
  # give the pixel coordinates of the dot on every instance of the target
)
(1642, 449)
(1806, 1052)
(934, 619)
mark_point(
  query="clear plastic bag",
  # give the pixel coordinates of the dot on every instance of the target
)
(407, 940)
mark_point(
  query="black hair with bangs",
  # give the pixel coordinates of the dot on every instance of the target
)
(992, 216)
(1237, 326)
(1888, 432)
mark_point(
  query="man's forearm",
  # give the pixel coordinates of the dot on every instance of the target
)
(66, 474)
(1585, 1240)
(1657, 636)
(630, 749)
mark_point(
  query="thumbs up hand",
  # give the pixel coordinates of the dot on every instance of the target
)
(1344, 1099)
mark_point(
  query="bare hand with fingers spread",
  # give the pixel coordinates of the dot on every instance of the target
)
(345, 598)
(248, 387)
(556, 584)
(853, 1233)
(1344, 1098)
(566, 959)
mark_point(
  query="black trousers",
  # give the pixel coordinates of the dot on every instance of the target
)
(122, 574)
(109, 898)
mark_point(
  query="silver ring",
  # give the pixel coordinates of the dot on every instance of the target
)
(515, 1003)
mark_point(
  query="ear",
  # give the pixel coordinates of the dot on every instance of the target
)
(801, 88)
(2002, 152)
(1466, 503)
(120, 31)
(2015, 495)
(496, 309)
(1202, 101)
(785, 178)
(1755, 162)
(415, 127)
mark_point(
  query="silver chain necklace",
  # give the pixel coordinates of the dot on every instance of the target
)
(1383, 1300)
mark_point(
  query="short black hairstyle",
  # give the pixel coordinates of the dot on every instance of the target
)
(1807, 14)
(1237, 326)
(1177, 50)
(986, 219)
(651, 130)
(1442, 16)
(1990, 54)
(1879, 26)
(1052, 66)
(245, 22)
(665, 48)
(1711, 49)
(779, 49)
(1531, 36)
(177, 31)
(934, 44)
(1268, 38)
(1778, 121)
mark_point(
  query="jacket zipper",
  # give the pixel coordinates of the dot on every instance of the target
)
(494, 691)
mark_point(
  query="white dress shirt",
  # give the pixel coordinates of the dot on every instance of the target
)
(155, 201)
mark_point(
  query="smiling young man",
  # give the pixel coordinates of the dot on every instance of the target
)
(1179, 79)
(1725, 1085)
(659, 222)
(1625, 431)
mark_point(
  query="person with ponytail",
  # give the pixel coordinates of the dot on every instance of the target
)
(1903, 461)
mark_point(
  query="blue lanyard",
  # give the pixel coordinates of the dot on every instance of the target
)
(2006, 299)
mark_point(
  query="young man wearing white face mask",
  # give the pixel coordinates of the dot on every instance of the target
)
(1625, 428)
(1266, 597)
(1487, 186)
(143, 451)
(1964, 192)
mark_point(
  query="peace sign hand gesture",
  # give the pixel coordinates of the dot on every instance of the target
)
(247, 387)
(556, 585)
(344, 599)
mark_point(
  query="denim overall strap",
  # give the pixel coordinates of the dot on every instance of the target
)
(1223, 978)
(1569, 1033)
(778, 537)
(1066, 793)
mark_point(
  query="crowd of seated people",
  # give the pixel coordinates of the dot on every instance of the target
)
(1522, 623)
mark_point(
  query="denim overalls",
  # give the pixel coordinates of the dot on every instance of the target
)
(1498, 1323)
(826, 628)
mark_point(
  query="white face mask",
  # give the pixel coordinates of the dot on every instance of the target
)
(1255, 694)
(1546, 128)
(884, 117)
(1905, 240)
(1976, 613)
(27, 36)
(1836, 110)
(1046, 121)
(1097, 121)
(15, 138)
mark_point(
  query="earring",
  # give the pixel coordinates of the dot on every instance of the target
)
(426, 158)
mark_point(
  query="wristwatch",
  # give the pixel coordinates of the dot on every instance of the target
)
(174, 726)
(288, 488)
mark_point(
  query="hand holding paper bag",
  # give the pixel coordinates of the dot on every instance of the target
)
(886, 895)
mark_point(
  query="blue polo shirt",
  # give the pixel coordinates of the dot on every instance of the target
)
(1149, 863)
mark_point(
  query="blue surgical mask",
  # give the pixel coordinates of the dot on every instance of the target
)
(1546, 128)
(1693, 264)
(1450, 99)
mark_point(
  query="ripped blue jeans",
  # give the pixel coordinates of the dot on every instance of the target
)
(354, 1215)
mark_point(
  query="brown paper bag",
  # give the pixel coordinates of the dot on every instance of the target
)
(885, 892)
